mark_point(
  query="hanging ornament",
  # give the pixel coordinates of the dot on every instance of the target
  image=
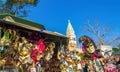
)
(41, 46)
(34, 55)
(6, 39)
(49, 51)
(24, 52)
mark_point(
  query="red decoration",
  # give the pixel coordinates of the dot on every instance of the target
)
(95, 56)
(41, 46)
(34, 55)
(83, 62)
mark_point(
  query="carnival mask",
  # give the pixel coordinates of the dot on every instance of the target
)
(91, 49)
(6, 39)
(106, 51)
(88, 44)
(24, 52)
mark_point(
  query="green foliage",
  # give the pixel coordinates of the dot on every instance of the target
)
(17, 7)
(118, 47)
(115, 49)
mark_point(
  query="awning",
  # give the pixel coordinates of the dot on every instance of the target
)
(10, 20)
(17, 20)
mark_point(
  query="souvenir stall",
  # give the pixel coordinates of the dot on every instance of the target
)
(27, 46)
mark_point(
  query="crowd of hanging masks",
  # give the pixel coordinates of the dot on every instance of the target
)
(18, 50)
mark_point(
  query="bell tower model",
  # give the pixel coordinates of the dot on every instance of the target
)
(71, 35)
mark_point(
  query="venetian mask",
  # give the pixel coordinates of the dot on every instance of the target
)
(91, 49)
(88, 44)
(24, 52)
(106, 51)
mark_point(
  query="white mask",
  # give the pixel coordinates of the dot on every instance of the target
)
(106, 51)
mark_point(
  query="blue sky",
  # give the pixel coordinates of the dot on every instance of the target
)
(54, 15)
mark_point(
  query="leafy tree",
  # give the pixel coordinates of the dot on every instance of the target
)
(16, 7)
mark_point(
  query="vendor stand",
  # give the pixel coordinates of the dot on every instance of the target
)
(23, 43)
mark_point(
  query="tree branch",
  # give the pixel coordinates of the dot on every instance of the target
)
(96, 32)
(114, 40)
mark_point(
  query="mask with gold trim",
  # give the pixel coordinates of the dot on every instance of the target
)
(6, 39)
